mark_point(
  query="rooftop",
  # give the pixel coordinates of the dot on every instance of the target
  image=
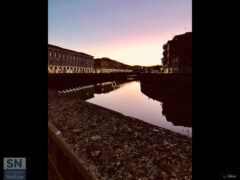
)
(54, 46)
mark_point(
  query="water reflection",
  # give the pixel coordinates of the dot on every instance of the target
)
(168, 109)
(82, 92)
(85, 92)
(105, 87)
(176, 105)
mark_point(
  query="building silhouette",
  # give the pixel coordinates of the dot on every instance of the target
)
(177, 54)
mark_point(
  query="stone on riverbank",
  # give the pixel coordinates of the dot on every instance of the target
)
(114, 146)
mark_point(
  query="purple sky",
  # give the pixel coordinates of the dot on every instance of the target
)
(129, 31)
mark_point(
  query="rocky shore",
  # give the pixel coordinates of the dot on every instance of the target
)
(114, 146)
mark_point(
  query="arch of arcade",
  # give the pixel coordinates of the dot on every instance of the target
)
(62, 60)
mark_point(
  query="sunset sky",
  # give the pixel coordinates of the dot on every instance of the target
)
(129, 31)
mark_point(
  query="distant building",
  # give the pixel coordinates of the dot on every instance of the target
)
(155, 69)
(106, 65)
(177, 54)
(62, 60)
(138, 69)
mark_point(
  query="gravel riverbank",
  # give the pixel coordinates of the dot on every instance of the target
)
(114, 146)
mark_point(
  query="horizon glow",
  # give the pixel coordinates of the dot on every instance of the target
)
(129, 31)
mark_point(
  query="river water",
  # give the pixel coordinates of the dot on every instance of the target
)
(170, 110)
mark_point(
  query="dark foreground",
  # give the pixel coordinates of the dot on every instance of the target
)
(113, 146)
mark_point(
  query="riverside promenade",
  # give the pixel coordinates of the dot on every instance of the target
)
(111, 145)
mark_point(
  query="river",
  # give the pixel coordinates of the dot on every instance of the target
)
(170, 110)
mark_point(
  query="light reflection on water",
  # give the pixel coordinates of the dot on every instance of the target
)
(129, 99)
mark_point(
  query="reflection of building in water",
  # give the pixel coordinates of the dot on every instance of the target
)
(84, 92)
(176, 105)
(106, 87)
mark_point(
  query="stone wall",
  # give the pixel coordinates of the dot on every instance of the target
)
(64, 81)
(168, 81)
